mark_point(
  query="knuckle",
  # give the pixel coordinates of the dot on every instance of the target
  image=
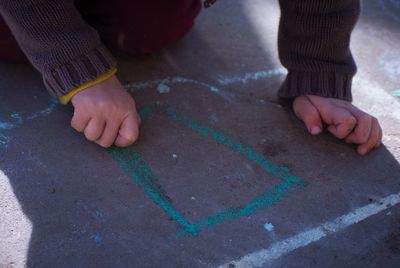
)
(90, 136)
(343, 132)
(363, 135)
(365, 118)
(351, 121)
(363, 139)
(308, 118)
(375, 120)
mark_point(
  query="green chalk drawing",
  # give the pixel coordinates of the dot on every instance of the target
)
(133, 164)
(396, 93)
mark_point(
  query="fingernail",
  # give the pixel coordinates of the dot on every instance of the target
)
(315, 130)
(363, 151)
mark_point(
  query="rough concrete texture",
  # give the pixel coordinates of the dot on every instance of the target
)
(221, 171)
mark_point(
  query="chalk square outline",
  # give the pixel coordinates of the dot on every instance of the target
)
(133, 164)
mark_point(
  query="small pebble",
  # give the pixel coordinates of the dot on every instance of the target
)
(269, 227)
(162, 88)
(98, 238)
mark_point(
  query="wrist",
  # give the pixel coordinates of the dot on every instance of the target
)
(68, 97)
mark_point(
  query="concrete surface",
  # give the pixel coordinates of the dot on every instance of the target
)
(222, 175)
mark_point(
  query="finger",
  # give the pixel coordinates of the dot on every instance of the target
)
(307, 112)
(109, 135)
(362, 130)
(373, 140)
(79, 121)
(343, 123)
(94, 129)
(128, 132)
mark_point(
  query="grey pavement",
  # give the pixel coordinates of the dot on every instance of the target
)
(222, 174)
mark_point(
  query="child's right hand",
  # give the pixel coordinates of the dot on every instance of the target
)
(106, 114)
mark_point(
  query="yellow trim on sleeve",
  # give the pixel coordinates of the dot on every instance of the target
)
(67, 97)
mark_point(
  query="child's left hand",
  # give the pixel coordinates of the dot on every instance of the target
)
(344, 120)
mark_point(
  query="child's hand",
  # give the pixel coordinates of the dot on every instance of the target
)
(344, 121)
(106, 113)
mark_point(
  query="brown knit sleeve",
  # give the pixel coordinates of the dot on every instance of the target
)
(314, 40)
(57, 41)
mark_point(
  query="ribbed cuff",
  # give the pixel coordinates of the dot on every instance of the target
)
(323, 84)
(79, 71)
(67, 98)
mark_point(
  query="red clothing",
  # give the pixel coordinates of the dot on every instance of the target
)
(140, 27)
(9, 49)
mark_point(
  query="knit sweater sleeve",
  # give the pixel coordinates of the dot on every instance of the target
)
(58, 42)
(314, 40)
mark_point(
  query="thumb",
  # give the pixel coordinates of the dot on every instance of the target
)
(128, 132)
(306, 111)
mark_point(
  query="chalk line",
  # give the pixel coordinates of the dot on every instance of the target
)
(395, 93)
(18, 119)
(243, 79)
(134, 165)
(177, 80)
(252, 76)
(4, 140)
(277, 250)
